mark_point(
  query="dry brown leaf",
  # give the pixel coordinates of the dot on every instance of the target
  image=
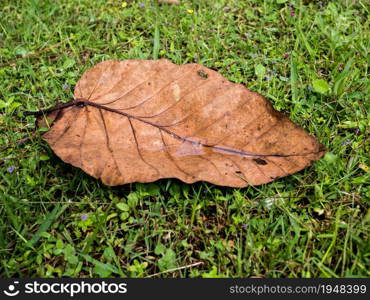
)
(142, 120)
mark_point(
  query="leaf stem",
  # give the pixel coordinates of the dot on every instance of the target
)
(80, 102)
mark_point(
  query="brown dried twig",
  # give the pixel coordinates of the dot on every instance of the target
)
(35, 53)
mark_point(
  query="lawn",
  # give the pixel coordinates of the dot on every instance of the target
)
(309, 58)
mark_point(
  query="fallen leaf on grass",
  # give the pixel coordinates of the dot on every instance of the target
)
(142, 120)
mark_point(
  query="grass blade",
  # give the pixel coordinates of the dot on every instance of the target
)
(156, 43)
(57, 211)
(294, 79)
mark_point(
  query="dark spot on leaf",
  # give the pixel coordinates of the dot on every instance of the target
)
(202, 74)
(260, 161)
(80, 104)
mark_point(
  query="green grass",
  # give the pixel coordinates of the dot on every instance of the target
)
(308, 57)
